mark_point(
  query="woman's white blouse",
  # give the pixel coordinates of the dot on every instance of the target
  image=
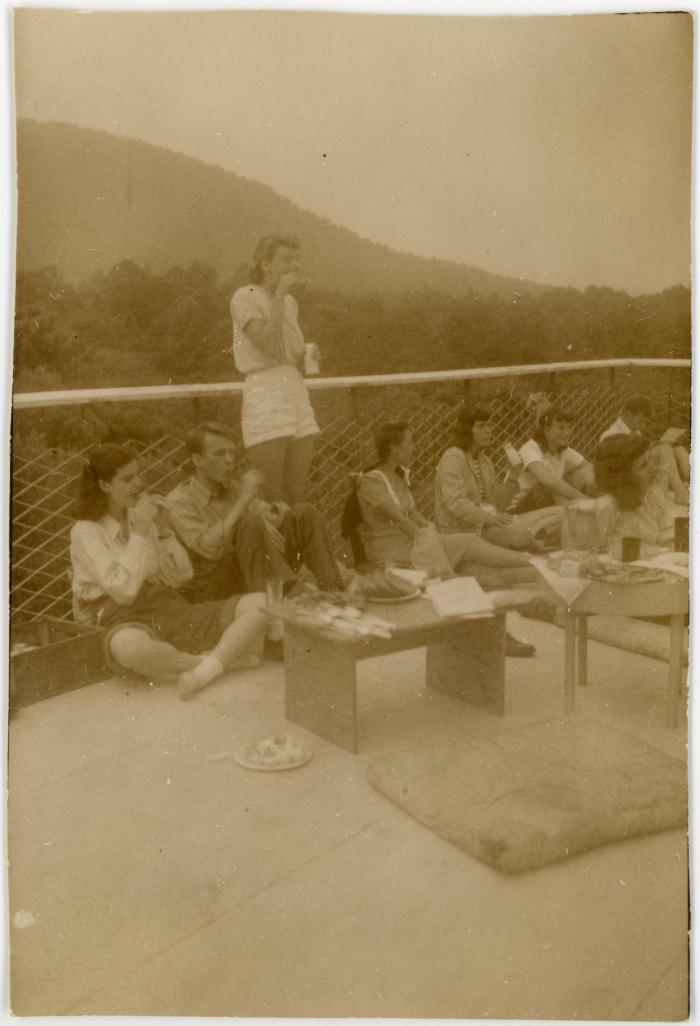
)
(253, 303)
(104, 563)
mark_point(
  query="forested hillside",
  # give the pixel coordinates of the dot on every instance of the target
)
(131, 326)
(128, 256)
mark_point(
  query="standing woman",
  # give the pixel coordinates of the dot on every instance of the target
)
(268, 347)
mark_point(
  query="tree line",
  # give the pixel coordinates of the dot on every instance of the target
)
(130, 326)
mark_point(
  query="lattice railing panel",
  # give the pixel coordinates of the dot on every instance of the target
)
(45, 483)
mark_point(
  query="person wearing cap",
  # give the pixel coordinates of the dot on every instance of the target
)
(669, 462)
(633, 420)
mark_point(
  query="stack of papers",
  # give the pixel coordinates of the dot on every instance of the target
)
(459, 596)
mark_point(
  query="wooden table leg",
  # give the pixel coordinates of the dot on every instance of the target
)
(675, 670)
(582, 649)
(472, 667)
(569, 660)
(320, 687)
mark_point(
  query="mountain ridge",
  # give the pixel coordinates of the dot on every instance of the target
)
(88, 199)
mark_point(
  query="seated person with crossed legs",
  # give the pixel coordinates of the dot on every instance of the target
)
(127, 569)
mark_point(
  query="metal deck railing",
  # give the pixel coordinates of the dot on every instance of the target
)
(349, 411)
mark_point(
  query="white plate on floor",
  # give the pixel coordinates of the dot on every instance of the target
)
(273, 754)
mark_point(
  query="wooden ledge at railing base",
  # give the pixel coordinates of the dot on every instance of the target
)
(65, 656)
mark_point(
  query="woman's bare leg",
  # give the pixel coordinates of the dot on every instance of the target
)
(540, 519)
(136, 650)
(469, 548)
(245, 632)
(523, 532)
(299, 455)
(243, 636)
(270, 458)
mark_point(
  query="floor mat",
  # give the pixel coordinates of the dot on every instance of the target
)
(529, 796)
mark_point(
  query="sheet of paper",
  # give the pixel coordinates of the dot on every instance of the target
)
(459, 596)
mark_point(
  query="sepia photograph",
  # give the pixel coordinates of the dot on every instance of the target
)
(349, 513)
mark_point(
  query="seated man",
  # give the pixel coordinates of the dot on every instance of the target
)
(669, 460)
(235, 540)
(468, 496)
(553, 473)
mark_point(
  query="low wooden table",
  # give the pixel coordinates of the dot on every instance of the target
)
(663, 598)
(465, 658)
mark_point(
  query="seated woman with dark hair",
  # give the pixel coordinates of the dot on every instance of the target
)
(469, 497)
(392, 525)
(391, 521)
(644, 509)
(553, 473)
(127, 565)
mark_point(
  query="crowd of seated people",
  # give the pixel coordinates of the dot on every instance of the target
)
(179, 581)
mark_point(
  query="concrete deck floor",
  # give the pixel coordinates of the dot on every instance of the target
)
(166, 880)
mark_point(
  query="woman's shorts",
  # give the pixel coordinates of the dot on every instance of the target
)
(165, 616)
(276, 405)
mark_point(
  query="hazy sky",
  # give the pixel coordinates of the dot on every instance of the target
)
(557, 149)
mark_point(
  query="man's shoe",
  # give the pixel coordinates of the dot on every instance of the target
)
(539, 609)
(519, 649)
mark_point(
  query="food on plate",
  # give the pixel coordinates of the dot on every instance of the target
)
(382, 585)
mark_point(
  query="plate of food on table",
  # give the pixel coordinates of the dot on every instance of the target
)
(601, 567)
(384, 586)
(348, 613)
